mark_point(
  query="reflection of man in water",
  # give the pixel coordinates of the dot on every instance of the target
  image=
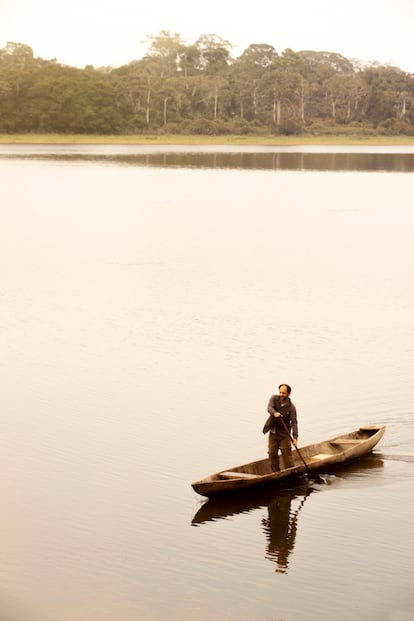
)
(280, 529)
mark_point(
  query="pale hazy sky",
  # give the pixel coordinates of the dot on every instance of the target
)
(111, 32)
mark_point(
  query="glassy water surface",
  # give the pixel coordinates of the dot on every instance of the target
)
(152, 299)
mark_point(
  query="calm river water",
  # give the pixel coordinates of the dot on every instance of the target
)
(151, 301)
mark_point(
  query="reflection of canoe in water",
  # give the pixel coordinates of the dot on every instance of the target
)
(222, 507)
(323, 455)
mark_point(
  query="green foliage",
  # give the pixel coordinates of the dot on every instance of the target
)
(290, 127)
(200, 89)
(392, 127)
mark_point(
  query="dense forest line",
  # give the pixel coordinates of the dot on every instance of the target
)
(201, 89)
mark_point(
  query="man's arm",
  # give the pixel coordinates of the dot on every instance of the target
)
(273, 405)
(294, 421)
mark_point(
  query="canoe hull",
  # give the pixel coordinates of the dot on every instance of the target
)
(321, 456)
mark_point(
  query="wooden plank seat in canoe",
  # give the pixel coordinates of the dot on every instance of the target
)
(236, 475)
(340, 441)
(320, 456)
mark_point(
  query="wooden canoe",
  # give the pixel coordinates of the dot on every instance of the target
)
(323, 455)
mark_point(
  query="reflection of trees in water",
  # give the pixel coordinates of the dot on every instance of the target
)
(275, 160)
(280, 527)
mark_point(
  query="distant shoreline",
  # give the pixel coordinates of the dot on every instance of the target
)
(175, 139)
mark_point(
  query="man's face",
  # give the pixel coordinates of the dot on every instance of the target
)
(283, 393)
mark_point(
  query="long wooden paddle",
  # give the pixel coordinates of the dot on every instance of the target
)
(296, 446)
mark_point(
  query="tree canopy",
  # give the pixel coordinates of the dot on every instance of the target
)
(202, 89)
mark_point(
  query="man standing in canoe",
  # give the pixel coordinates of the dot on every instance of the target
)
(281, 407)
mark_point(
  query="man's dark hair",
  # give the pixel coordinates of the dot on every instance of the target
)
(288, 388)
